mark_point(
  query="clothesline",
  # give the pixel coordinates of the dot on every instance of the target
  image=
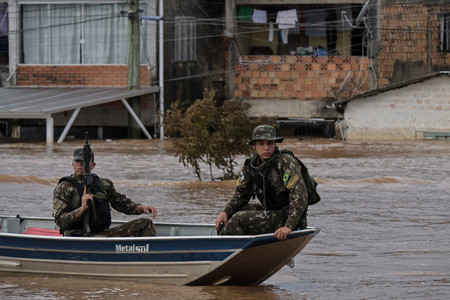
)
(313, 24)
(289, 18)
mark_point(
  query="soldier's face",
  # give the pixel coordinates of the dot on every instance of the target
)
(264, 148)
(78, 167)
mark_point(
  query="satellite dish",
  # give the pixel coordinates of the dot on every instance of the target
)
(361, 14)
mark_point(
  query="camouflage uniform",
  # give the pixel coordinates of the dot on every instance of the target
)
(283, 179)
(67, 200)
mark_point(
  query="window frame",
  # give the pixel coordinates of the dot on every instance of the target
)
(81, 52)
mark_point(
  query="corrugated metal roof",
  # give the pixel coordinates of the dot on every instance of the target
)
(40, 103)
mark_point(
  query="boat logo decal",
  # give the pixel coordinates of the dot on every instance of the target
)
(132, 248)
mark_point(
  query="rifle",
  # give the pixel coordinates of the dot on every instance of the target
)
(87, 179)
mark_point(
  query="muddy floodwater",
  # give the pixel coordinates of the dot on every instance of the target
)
(384, 217)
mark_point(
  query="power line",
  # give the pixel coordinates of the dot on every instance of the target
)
(247, 28)
(221, 21)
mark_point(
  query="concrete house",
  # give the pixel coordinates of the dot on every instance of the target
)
(414, 109)
(66, 63)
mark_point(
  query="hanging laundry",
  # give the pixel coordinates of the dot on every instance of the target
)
(245, 13)
(259, 16)
(284, 35)
(287, 18)
(270, 31)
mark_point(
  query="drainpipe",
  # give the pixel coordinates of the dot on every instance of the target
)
(161, 70)
(160, 64)
(429, 41)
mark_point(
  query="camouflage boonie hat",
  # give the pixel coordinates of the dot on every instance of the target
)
(78, 154)
(265, 132)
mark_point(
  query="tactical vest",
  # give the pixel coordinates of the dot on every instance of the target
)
(268, 186)
(99, 210)
(274, 190)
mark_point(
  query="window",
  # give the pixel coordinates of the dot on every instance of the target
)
(75, 34)
(444, 32)
(185, 39)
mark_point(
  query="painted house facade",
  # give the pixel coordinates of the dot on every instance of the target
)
(82, 44)
(62, 43)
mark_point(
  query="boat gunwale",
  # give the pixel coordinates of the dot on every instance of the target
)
(307, 231)
(302, 232)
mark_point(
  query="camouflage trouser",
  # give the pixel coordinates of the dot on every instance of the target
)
(136, 228)
(251, 220)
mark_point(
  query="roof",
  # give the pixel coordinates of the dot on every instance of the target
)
(393, 87)
(40, 103)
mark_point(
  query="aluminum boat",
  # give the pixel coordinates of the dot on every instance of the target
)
(181, 254)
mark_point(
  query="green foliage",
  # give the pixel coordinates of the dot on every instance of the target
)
(210, 134)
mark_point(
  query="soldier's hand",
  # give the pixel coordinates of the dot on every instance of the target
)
(282, 233)
(85, 200)
(222, 217)
(84, 204)
(147, 210)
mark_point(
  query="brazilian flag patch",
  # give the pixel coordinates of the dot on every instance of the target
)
(286, 177)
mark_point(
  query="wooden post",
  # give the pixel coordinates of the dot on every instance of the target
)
(49, 130)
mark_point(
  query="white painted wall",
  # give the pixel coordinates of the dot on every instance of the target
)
(289, 108)
(398, 113)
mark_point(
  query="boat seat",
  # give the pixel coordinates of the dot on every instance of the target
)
(42, 231)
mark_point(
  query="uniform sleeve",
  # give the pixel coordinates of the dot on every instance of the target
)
(293, 180)
(119, 201)
(242, 194)
(63, 195)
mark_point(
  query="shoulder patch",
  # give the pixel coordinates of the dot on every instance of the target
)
(286, 176)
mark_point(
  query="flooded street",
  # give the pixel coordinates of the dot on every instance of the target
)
(384, 217)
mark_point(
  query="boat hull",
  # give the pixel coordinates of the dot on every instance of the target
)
(255, 264)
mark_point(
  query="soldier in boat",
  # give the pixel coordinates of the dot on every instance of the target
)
(81, 210)
(275, 178)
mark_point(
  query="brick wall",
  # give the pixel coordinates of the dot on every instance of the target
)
(298, 77)
(404, 42)
(77, 76)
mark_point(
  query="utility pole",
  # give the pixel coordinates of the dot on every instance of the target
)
(134, 63)
(230, 14)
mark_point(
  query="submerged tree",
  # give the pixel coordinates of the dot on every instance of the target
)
(210, 134)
